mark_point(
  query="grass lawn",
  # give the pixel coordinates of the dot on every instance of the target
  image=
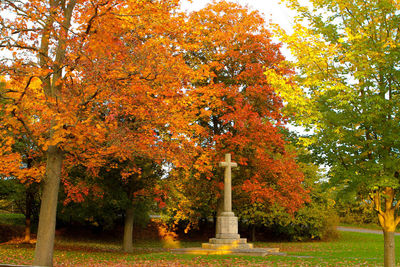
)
(352, 249)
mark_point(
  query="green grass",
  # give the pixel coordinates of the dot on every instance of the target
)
(352, 249)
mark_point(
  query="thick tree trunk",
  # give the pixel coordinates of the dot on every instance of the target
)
(127, 245)
(388, 221)
(390, 259)
(48, 209)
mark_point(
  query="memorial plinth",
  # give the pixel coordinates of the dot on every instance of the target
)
(227, 239)
(227, 226)
(227, 235)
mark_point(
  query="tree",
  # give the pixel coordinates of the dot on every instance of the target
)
(348, 61)
(150, 113)
(100, 201)
(42, 92)
(25, 176)
(238, 112)
(315, 220)
(68, 80)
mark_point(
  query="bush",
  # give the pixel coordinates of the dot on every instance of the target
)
(312, 222)
(357, 213)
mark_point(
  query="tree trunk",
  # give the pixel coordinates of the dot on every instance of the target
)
(390, 259)
(27, 238)
(127, 245)
(388, 221)
(215, 221)
(253, 232)
(29, 198)
(48, 208)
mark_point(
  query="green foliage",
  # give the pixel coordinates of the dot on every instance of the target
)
(317, 220)
(355, 212)
(91, 209)
(312, 222)
(14, 197)
(12, 219)
(101, 202)
(7, 187)
(189, 199)
(347, 57)
(11, 226)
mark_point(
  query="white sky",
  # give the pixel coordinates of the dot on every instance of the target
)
(271, 9)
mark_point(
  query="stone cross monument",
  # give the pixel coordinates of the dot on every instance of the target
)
(227, 240)
(227, 222)
(227, 235)
(228, 183)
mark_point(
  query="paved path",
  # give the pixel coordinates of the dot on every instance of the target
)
(360, 230)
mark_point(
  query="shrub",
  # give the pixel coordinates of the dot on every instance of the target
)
(312, 222)
(356, 212)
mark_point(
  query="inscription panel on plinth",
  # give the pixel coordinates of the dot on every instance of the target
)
(227, 227)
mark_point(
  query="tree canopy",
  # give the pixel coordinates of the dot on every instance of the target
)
(239, 113)
(110, 81)
(347, 55)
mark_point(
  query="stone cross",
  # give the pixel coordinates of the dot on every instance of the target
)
(228, 182)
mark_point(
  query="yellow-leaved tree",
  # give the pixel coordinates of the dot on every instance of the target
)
(347, 57)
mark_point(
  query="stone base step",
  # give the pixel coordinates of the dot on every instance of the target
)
(234, 251)
(227, 243)
(228, 240)
(226, 246)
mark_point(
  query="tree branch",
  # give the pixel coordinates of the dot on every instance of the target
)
(377, 202)
(25, 89)
(28, 131)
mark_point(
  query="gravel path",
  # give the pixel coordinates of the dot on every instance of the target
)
(360, 230)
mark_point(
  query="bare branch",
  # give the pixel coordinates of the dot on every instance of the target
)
(18, 10)
(377, 203)
(23, 30)
(9, 45)
(25, 89)
(90, 98)
(397, 221)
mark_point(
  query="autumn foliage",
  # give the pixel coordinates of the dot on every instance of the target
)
(89, 83)
(239, 112)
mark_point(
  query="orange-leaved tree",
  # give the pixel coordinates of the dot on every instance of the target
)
(239, 112)
(150, 109)
(86, 81)
(28, 168)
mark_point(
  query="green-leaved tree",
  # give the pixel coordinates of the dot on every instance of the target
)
(348, 58)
